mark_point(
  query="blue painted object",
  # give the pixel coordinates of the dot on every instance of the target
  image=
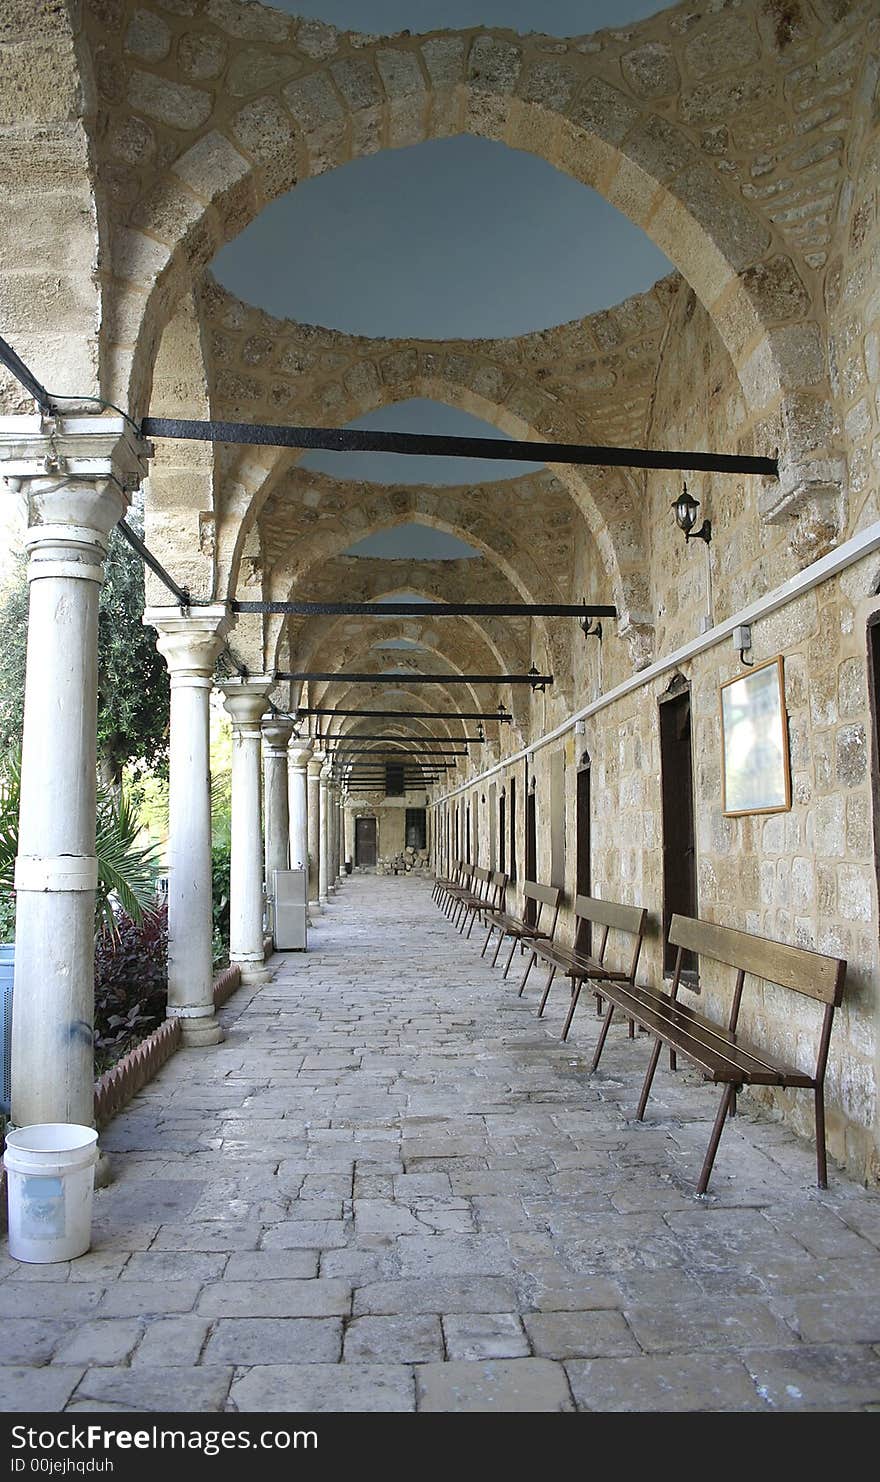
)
(7, 965)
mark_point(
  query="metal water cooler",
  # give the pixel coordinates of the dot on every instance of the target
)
(291, 909)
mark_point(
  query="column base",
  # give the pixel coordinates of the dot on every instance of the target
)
(254, 972)
(196, 1033)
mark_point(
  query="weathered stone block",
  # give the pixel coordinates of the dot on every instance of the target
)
(175, 103)
(651, 70)
(263, 129)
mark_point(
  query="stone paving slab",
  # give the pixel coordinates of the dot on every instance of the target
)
(392, 1187)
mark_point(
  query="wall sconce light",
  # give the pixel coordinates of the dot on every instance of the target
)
(686, 509)
(481, 734)
(534, 676)
(590, 627)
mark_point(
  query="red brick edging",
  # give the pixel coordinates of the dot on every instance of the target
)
(115, 1088)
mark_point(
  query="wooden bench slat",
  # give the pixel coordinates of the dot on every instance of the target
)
(609, 913)
(697, 1038)
(797, 968)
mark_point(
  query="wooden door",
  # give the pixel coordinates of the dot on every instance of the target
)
(365, 842)
(531, 851)
(584, 877)
(679, 842)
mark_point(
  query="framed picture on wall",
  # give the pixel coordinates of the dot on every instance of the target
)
(755, 769)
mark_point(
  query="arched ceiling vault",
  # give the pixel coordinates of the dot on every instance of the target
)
(668, 120)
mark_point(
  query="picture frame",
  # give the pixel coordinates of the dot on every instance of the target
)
(755, 763)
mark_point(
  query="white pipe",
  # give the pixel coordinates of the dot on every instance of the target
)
(838, 560)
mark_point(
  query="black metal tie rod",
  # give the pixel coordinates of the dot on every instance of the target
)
(426, 609)
(409, 444)
(393, 679)
(498, 715)
(425, 743)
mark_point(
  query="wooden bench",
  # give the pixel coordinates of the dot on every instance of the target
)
(443, 886)
(491, 898)
(579, 962)
(522, 930)
(455, 891)
(473, 896)
(718, 1052)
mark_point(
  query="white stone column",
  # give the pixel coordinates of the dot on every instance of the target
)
(333, 849)
(246, 701)
(324, 859)
(299, 756)
(348, 831)
(314, 823)
(276, 734)
(190, 646)
(76, 473)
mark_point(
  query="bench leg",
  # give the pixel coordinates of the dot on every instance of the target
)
(821, 1156)
(724, 1106)
(471, 927)
(673, 1060)
(529, 965)
(509, 957)
(599, 1004)
(501, 936)
(487, 941)
(576, 986)
(649, 1077)
(546, 994)
(632, 1028)
(602, 1037)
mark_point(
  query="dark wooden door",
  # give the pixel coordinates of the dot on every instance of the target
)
(679, 842)
(584, 867)
(531, 850)
(365, 841)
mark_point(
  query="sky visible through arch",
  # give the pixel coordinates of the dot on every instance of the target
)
(455, 238)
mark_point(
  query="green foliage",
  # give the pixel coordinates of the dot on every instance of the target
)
(13, 626)
(133, 689)
(220, 902)
(125, 868)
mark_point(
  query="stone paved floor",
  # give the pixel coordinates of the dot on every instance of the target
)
(393, 1188)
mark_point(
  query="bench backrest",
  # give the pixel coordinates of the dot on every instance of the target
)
(611, 916)
(499, 888)
(797, 968)
(543, 895)
(809, 973)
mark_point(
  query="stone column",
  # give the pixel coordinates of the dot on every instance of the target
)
(348, 831)
(324, 859)
(314, 820)
(190, 646)
(76, 473)
(276, 734)
(333, 851)
(246, 701)
(298, 759)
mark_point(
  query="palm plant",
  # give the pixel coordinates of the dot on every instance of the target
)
(126, 870)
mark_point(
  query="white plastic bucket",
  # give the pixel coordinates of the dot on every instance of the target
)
(50, 1170)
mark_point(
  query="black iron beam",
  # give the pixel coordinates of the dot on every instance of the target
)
(409, 444)
(25, 377)
(500, 716)
(392, 679)
(423, 741)
(426, 609)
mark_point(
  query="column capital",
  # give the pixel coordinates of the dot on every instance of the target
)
(277, 731)
(300, 753)
(190, 643)
(315, 765)
(247, 699)
(90, 447)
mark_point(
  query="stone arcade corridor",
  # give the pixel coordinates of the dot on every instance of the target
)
(392, 1188)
